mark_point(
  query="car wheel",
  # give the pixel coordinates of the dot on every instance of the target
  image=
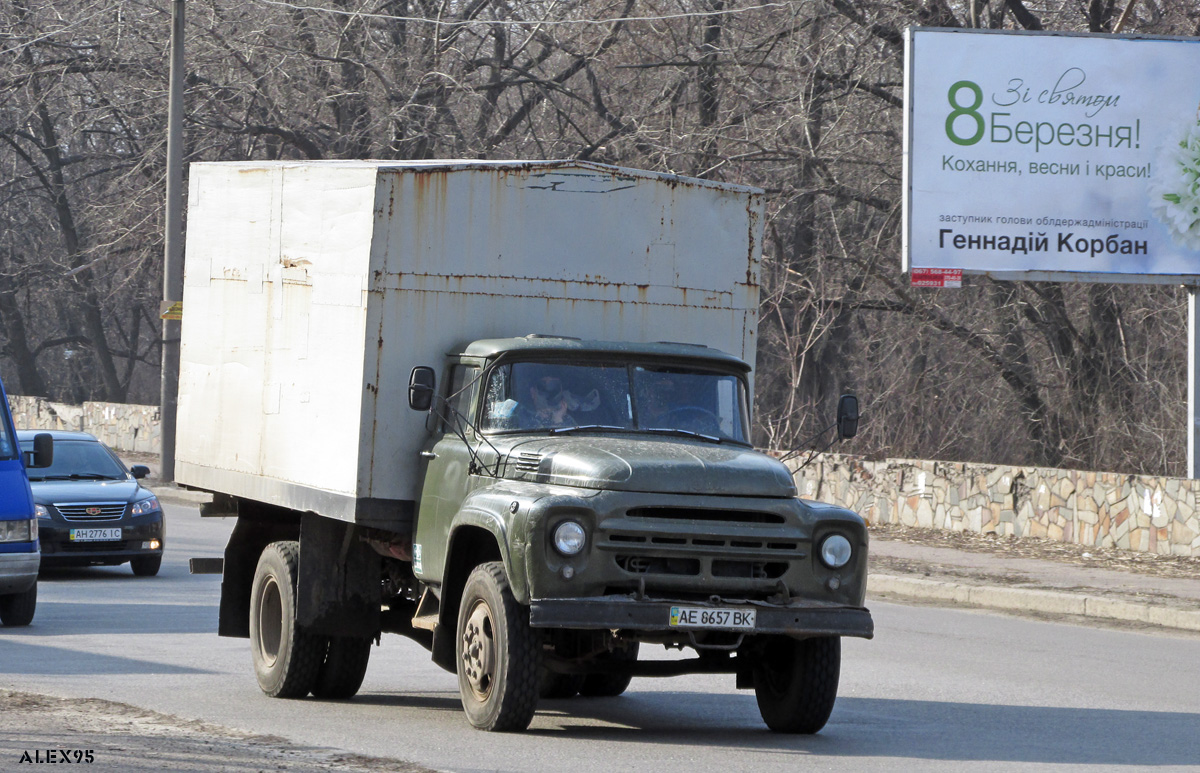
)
(796, 682)
(344, 668)
(18, 608)
(610, 685)
(286, 658)
(498, 654)
(145, 566)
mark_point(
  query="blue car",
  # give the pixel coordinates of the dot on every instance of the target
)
(19, 559)
(92, 509)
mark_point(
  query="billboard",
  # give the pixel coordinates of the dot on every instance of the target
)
(1033, 155)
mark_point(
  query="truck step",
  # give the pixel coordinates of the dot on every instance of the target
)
(425, 622)
(426, 616)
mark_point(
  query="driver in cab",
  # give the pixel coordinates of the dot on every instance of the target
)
(551, 405)
(661, 402)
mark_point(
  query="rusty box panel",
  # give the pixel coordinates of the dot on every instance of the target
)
(312, 289)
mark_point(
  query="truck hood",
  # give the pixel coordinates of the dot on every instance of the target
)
(655, 465)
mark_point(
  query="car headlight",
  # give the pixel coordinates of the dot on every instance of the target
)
(42, 512)
(569, 538)
(835, 551)
(145, 507)
(18, 531)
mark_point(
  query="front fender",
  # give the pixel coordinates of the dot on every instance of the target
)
(488, 511)
(513, 513)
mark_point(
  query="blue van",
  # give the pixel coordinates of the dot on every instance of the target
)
(19, 556)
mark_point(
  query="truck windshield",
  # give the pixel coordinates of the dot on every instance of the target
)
(531, 396)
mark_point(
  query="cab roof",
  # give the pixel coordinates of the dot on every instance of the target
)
(539, 344)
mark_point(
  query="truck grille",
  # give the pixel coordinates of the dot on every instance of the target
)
(690, 567)
(698, 514)
(744, 550)
(93, 512)
(708, 541)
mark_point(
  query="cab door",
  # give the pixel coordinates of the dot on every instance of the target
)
(447, 471)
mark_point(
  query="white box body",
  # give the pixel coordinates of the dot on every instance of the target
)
(312, 289)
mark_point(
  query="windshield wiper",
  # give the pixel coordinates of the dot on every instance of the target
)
(607, 427)
(684, 433)
(77, 476)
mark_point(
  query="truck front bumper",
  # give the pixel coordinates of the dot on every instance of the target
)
(797, 618)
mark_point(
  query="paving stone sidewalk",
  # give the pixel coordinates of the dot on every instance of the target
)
(928, 573)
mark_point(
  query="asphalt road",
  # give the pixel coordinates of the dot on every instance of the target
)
(937, 689)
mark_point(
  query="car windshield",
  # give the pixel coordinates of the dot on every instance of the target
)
(527, 396)
(78, 460)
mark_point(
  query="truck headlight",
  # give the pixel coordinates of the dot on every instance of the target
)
(835, 551)
(42, 512)
(24, 530)
(569, 538)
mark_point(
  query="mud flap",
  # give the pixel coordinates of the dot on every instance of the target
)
(338, 592)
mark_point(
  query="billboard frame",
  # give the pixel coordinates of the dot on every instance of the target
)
(1033, 275)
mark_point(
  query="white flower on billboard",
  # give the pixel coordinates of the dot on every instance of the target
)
(1175, 189)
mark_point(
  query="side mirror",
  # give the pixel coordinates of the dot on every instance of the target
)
(139, 471)
(43, 451)
(847, 417)
(421, 388)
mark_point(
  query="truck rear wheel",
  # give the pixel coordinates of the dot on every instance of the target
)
(558, 686)
(18, 608)
(344, 668)
(610, 685)
(796, 682)
(287, 659)
(498, 654)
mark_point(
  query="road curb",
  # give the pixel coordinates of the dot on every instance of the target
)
(1032, 600)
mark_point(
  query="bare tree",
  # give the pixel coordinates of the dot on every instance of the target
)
(803, 99)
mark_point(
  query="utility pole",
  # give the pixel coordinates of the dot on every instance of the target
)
(172, 250)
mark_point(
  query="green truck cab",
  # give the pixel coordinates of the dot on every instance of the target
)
(582, 498)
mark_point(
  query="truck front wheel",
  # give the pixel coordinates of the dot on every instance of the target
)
(498, 654)
(287, 660)
(18, 608)
(796, 682)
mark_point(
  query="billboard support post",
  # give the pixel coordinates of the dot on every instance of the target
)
(1193, 384)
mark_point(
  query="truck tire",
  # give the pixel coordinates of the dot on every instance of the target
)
(610, 685)
(796, 682)
(344, 668)
(287, 659)
(498, 655)
(18, 608)
(145, 566)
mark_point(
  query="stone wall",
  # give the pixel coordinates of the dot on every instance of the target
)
(1102, 509)
(120, 426)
